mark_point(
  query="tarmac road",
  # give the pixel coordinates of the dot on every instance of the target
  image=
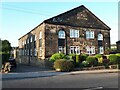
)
(98, 80)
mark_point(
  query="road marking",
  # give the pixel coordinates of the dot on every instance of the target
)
(95, 88)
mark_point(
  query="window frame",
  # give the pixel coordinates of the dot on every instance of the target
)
(62, 35)
(74, 33)
(90, 35)
(75, 49)
(100, 36)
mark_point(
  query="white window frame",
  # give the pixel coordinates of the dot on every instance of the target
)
(40, 51)
(101, 50)
(31, 39)
(90, 50)
(28, 41)
(74, 49)
(40, 35)
(61, 49)
(90, 34)
(31, 52)
(61, 34)
(74, 33)
(28, 52)
(100, 36)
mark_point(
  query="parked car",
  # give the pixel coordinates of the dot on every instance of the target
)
(12, 62)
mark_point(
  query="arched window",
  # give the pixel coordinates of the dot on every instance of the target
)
(40, 35)
(61, 34)
(31, 39)
(100, 36)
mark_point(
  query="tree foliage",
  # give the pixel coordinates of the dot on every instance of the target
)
(6, 46)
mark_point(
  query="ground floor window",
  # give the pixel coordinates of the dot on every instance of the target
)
(101, 50)
(90, 50)
(74, 50)
(31, 52)
(61, 49)
(40, 51)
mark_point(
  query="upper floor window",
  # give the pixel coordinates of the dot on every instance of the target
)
(61, 34)
(28, 40)
(100, 37)
(74, 33)
(90, 34)
(40, 36)
(31, 39)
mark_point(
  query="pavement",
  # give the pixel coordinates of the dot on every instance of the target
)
(23, 71)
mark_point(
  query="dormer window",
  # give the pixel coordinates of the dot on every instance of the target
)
(100, 37)
(61, 34)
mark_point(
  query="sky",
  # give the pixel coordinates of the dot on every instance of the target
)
(18, 18)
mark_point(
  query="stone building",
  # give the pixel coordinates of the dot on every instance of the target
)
(75, 31)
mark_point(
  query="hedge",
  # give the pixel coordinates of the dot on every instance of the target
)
(63, 65)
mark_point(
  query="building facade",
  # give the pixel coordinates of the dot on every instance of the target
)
(73, 32)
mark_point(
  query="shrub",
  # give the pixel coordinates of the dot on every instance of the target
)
(85, 63)
(113, 59)
(73, 56)
(83, 57)
(98, 56)
(63, 65)
(92, 60)
(56, 56)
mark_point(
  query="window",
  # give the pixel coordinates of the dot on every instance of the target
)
(28, 41)
(100, 37)
(90, 34)
(22, 52)
(101, 50)
(31, 52)
(61, 49)
(25, 41)
(90, 50)
(40, 36)
(31, 39)
(40, 51)
(74, 33)
(25, 51)
(28, 52)
(61, 34)
(74, 50)
(35, 52)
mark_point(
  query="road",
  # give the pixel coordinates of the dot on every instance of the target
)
(105, 80)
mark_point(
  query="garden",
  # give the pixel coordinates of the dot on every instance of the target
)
(71, 62)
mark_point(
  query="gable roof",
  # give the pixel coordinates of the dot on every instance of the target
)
(78, 17)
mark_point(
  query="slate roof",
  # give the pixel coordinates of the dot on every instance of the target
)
(78, 17)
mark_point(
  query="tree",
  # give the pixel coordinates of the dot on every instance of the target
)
(6, 46)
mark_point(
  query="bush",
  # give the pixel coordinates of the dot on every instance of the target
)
(73, 56)
(56, 56)
(114, 59)
(83, 57)
(63, 65)
(92, 60)
(98, 56)
(85, 64)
